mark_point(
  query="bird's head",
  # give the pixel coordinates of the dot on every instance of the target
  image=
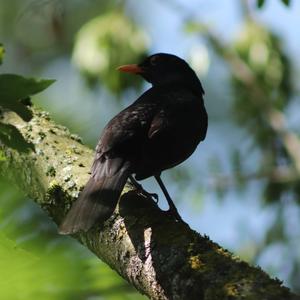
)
(163, 68)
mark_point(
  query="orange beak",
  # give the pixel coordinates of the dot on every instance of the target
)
(135, 69)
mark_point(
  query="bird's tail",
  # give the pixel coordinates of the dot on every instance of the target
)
(96, 202)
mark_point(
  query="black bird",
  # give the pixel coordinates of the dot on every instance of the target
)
(161, 129)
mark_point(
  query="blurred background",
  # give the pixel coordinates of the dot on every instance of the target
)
(241, 187)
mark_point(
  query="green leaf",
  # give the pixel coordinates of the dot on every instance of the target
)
(286, 2)
(2, 51)
(14, 87)
(260, 3)
(11, 137)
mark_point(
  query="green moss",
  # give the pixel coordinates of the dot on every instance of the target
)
(45, 115)
(225, 253)
(41, 134)
(54, 192)
(122, 231)
(231, 290)
(53, 186)
(51, 171)
(76, 138)
(196, 263)
(51, 130)
(68, 152)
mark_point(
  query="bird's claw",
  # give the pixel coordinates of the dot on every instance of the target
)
(142, 192)
(153, 196)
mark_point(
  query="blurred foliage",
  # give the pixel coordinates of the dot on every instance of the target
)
(38, 17)
(263, 85)
(262, 91)
(2, 51)
(286, 2)
(37, 263)
(262, 52)
(106, 42)
(30, 276)
(261, 3)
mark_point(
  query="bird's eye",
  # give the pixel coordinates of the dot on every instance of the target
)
(153, 60)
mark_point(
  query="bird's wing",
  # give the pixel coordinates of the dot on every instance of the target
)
(121, 136)
(166, 118)
(180, 109)
(159, 123)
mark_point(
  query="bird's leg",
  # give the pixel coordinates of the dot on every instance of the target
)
(172, 208)
(140, 189)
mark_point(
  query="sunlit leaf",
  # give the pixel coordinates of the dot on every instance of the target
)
(14, 87)
(26, 275)
(11, 137)
(2, 51)
(260, 50)
(105, 43)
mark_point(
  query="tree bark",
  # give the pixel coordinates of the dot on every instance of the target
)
(162, 258)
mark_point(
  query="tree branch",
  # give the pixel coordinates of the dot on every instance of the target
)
(162, 258)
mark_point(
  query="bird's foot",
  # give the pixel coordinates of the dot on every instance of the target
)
(141, 191)
(153, 196)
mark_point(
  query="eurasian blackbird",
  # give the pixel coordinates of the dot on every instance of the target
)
(158, 131)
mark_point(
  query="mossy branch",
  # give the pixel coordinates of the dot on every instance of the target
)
(162, 258)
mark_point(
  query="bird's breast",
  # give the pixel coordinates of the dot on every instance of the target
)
(184, 127)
